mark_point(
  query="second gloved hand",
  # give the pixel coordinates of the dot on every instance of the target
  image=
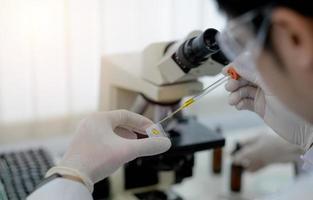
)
(104, 142)
(265, 149)
(250, 93)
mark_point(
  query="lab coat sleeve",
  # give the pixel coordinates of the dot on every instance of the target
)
(61, 189)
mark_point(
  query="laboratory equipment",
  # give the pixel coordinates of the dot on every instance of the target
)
(153, 83)
(156, 130)
(236, 172)
(217, 157)
(231, 74)
(174, 62)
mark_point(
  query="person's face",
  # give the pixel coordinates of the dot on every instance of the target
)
(288, 68)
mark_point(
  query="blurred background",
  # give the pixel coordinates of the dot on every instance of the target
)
(50, 61)
(50, 53)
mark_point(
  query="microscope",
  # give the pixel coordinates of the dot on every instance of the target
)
(153, 83)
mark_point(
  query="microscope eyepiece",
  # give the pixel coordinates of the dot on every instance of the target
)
(195, 51)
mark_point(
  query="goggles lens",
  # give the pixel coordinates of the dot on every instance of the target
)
(241, 37)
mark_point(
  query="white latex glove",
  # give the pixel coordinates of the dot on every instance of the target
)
(265, 149)
(104, 142)
(250, 93)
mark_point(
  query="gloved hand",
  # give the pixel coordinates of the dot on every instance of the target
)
(250, 93)
(104, 142)
(265, 149)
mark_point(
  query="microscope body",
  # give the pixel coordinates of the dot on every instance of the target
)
(153, 83)
(161, 67)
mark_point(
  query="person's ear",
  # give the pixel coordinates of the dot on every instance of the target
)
(292, 38)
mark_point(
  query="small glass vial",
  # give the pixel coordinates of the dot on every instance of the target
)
(217, 157)
(236, 173)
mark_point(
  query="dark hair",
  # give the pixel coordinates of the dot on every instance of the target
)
(236, 8)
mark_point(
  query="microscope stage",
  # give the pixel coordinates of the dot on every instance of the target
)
(190, 136)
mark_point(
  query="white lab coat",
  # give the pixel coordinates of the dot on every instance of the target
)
(63, 189)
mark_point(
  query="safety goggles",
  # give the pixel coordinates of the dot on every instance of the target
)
(241, 38)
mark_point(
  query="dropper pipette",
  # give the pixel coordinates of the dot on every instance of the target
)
(232, 74)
